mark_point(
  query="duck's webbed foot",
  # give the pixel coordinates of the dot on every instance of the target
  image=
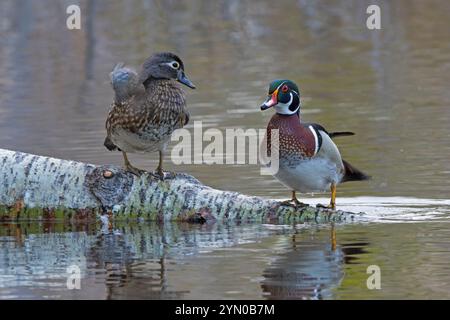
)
(294, 202)
(332, 205)
(164, 175)
(136, 171)
(128, 167)
(329, 206)
(159, 173)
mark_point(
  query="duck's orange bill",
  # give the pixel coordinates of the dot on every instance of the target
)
(271, 101)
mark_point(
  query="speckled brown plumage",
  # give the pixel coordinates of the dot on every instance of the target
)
(151, 117)
(148, 107)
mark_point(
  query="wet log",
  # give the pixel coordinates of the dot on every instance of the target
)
(39, 187)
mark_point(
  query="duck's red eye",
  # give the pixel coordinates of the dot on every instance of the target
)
(284, 88)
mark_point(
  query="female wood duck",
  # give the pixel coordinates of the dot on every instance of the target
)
(147, 107)
(309, 161)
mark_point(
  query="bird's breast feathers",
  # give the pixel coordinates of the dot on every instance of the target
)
(295, 140)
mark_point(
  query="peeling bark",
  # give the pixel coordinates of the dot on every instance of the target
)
(38, 187)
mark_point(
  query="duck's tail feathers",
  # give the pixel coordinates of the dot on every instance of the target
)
(341, 134)
(353, 174)
(110, 145)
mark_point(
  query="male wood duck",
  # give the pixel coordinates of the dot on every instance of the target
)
(309, 161)
(147, 107)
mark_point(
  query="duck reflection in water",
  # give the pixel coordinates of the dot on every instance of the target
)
(311, 270)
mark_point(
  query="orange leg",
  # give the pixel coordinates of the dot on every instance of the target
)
(332, 204)
(333, 237)
(333, 196)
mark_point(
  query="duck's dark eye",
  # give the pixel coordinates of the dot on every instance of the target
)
(284, 88)
(175, 65)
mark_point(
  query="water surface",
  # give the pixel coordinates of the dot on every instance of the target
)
(234, 261)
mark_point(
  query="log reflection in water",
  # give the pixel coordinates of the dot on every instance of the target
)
(130, 261)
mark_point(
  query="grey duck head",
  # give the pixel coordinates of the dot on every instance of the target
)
(164, 65)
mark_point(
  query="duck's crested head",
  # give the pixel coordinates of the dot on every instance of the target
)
(284, 96)
(164, 65)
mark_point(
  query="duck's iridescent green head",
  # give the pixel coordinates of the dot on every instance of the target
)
(284, 96)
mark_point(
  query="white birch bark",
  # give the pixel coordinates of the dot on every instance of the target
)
(38, 187)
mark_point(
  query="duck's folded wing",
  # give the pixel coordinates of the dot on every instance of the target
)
(330, 134)
(331, 152)
(125, 82)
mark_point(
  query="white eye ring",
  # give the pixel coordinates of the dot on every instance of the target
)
(174, 64)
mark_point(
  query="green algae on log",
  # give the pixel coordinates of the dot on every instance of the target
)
(39, 187)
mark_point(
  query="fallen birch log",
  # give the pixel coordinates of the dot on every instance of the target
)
(38, 187)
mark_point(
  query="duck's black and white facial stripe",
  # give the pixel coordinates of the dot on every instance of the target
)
(290, 107)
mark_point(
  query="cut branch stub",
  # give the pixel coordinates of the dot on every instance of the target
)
(111, 189)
